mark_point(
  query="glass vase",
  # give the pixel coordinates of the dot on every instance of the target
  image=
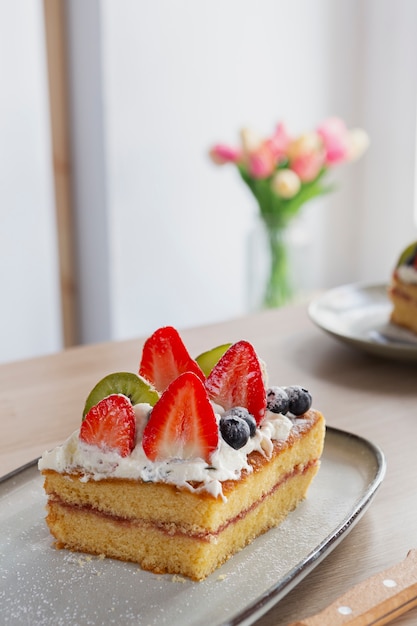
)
(276, 253)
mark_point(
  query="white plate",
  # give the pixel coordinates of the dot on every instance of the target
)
(41, 585)
(359, 315)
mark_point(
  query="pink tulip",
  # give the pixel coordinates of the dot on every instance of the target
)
(308, 165)
(221, 154)
(261, 163)
(335, 138)
(306, 156)
(279, 142)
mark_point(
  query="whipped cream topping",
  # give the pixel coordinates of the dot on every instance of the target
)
(92, 463)
(407, 274)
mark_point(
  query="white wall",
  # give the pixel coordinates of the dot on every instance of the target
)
(389, 110)
(178, 77)
(29, 302)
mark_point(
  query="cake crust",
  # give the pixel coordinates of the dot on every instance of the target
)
(170, 529)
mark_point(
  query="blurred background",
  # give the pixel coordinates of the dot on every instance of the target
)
(113, 220)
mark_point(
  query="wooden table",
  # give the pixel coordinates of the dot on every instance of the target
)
(41, 402)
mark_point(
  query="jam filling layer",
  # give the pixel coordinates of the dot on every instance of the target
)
(402, 295)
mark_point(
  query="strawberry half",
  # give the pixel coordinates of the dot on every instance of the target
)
(182, 424)
(237, 380)
(165, 357)
(110, 425)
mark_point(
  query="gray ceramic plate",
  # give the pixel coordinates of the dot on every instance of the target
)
(41, 585)
(359, 315)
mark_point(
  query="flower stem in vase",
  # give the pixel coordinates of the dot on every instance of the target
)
(278, 289)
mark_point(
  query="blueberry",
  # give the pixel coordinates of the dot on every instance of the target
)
(299, 399)
(234, 430)
(277, 400)
(240, 411)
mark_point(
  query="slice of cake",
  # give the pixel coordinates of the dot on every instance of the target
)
(181, 466)
(403, 290)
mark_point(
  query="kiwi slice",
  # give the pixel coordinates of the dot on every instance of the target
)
(408, 253)
(207, 360)
(131, 385)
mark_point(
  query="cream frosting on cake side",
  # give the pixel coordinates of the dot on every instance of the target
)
(92, 463)
(407, 274)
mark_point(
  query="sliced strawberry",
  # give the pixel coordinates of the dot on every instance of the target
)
(110, 425)
(165, 357)
(182, 423)
(237, 380)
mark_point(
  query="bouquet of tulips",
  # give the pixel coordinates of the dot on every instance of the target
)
(284, 172)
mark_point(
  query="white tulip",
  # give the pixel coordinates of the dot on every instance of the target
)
(251, 140)
(304, 144)
(358, 143)
(286, 183)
